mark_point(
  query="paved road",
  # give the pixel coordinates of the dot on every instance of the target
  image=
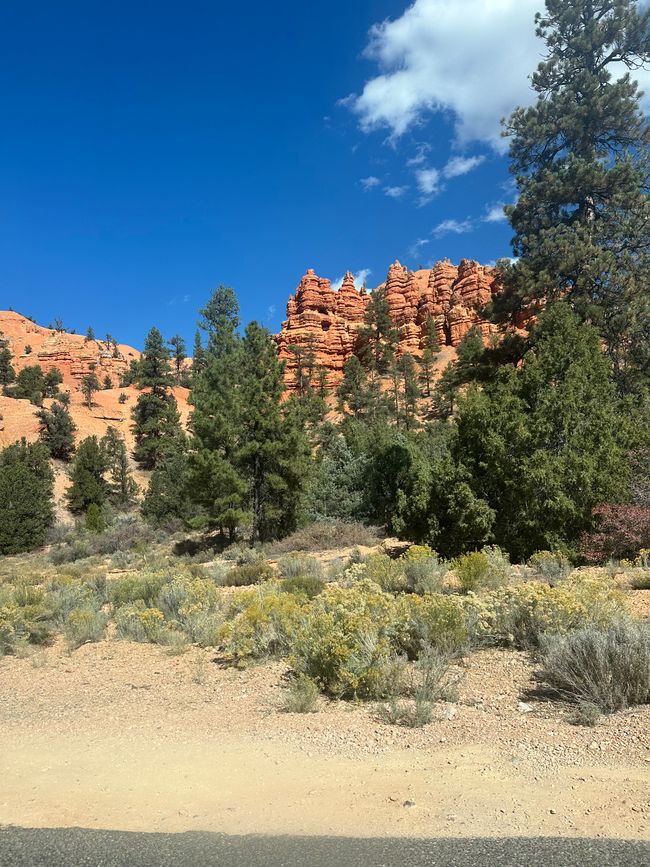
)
(77, 847)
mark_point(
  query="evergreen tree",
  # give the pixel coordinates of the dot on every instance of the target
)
(89, 385)
(179, 354)
(26, 497)
(7, 372)
(90, 334)
(581, 157)
(543, 443)
(156, 421)
(87, 476)
(337, 487)
(272, 449)
(130, 376)
(409, 388)
(95, 521)
(108, 383)
(198, 354)
(378, 337)
(57, 431)
(122, 488)
(52, 381)
(214, 483)
(29, 385)
(430, 353)
(166, 499)
(353, 391)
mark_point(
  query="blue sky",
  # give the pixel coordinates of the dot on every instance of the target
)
(149, 151)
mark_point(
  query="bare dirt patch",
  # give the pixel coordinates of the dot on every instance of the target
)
(125, 736)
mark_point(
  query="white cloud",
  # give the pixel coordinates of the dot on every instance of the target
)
(453, 227)
(369, 183)
(417, 245)
(428, 181)
(458, 166)
(421, 154)
(495, 214)
(359, 279)
(395, 192)
(470, 58)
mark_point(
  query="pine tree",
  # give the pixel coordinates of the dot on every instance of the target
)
(29, 385)
(272, 449)
(409, 387)
(90, 334)
(581, 157)
(214, 483)
(122, 488)
(378, 337)
(198, 354)
(430, 353)
(7, 372)
(156, 421)
(543, 443)
(53, 379)
(89, 385)
(108, 383)
(166, 498)
(57, 431)
(130, 376)
(352, 392)
(337, 488)
(87, 476)
(179, 354)
(26, 497)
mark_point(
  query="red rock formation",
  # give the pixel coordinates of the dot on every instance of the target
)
(326, 323)
(71, 353)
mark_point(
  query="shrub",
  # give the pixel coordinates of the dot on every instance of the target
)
(606, 668)
(325, 535)
(301, 697)
(344, 643)
(143, 587)
(297, 565)
(425, 574)
(621, 532)
(66, 595)
(639, 579)
(434, 620)
(388, 574)
(585, 714)
(242, 554)
(249, 573)
(550, 566)
(136, 622)
(520, 615)
(308, 585)
(82, 625)
(432, 682)
(264, 625)
(472, 570)
(95, 521)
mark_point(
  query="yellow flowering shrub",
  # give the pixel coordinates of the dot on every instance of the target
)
(389, 574)
(136, 622)
(263, 625)
(436, 619)
(347, 640)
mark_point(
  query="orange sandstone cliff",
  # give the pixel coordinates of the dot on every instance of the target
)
(327, 322)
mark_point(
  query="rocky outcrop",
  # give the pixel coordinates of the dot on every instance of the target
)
(72, 354)
(322, 324)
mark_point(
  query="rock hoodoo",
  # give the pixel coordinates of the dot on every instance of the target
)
(327, 322)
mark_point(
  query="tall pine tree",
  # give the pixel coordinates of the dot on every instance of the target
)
(26, 497)
(156, 421)
(581, 158)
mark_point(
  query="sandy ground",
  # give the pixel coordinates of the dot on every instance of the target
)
(127, 737)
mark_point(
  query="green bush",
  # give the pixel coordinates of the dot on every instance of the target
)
(435, 620)
(472, 570)
(389, 574)
(302, 696)
(136, 622)
(297, 565)
(264, 624)
(609, 669)
(425, 573)
(247, 574)
(345, 641)
(82, 625)
(308, 585)
(144, 587)
(550, 566)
